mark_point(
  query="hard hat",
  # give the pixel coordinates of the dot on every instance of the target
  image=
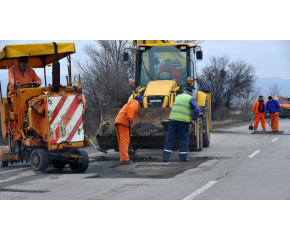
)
(138, 98)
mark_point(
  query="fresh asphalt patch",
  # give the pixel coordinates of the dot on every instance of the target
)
(23, 191)
(142, 167)
(268, 132)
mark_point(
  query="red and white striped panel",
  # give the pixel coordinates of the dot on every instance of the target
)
(65, 119)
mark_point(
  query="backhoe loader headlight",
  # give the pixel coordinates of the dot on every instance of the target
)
(142, 48)
(190, 80)
(132, 81)
(183, 47)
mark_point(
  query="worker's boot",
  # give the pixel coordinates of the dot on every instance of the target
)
(165, 159)
(184, 160)
(126, 162)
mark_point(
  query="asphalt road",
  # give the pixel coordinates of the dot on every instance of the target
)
(239, 164)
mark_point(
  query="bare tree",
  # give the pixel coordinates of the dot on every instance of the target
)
(104, 79)
(227, 80)
(274, 90)
(246, 103)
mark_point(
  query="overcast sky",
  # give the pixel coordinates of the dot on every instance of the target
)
(271, 58)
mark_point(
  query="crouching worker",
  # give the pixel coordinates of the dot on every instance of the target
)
(259, 110)
(179, 121)
(126, 115)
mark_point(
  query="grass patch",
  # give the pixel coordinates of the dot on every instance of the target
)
(215, 124)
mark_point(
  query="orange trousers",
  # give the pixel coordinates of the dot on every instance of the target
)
(123, 141)
(274, 121)
(257, 119)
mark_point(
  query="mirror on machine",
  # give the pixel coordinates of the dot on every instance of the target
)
(125, 56)
(199, 55)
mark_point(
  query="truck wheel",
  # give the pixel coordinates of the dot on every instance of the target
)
(4, 163)
(39, 159)
(200, 136)
(83, 166)
(206, 125)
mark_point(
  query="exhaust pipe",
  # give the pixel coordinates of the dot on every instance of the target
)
(55, 70)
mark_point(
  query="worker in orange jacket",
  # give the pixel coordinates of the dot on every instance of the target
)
(259, 110)
(172, 70)
(126, 115)
(24, 76)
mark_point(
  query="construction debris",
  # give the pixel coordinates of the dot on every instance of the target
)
(146, 129)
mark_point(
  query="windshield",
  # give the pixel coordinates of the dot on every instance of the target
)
(163, 63)
(284, 101)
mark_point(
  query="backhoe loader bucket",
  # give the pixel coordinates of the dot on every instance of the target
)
(148, 131)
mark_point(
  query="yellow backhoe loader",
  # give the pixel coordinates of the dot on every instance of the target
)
(44, 125)
(158, 88)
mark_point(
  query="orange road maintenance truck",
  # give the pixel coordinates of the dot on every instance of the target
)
(285, 107)
(44, 125)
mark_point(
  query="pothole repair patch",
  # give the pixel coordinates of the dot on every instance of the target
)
(144, 167)
(23, 191)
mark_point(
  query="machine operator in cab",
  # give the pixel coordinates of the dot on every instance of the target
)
(24, 76)
(172, 70)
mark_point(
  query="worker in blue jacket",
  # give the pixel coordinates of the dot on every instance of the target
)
(272, 108)
(179, 121)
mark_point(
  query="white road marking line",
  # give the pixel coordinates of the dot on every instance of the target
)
(199, 191)
(19, 175)
(275, 139)
(14, 170)
(253, 154)
(285, 131)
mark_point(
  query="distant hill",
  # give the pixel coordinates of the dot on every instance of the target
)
(264, 83)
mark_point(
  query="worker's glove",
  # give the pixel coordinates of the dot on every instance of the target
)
(192, 121)
(268, 114)
(254, 113)
(129, 119)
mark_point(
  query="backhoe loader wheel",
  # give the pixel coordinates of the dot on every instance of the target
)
(206, 125)
(4, 163)
(83, 166)
(39, 159)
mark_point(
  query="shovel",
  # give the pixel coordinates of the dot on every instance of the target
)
(251, 126)
(99, 149)
(130, 150)
(268, 120)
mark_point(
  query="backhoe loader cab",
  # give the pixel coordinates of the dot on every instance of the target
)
(161, 70)
(44, 125)
(159, 62)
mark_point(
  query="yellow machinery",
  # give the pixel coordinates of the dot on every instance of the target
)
(44, 125)
(158, 89)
